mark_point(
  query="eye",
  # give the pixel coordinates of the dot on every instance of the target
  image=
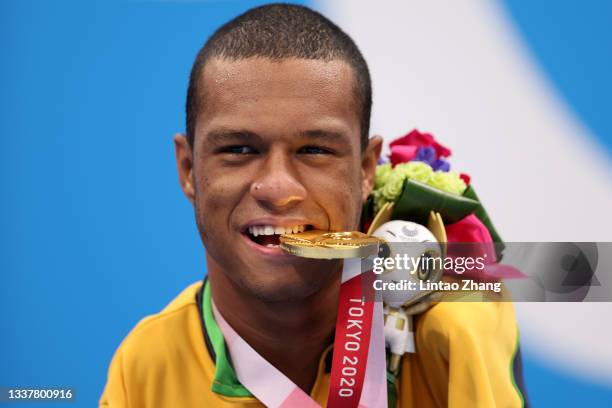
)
(237, 149)
(314, 150)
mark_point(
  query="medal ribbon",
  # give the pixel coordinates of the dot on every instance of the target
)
(352, 340)
(358, 376)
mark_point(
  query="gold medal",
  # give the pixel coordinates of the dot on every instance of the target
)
(330, 245)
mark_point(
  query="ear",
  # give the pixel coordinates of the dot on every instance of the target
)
(368, 165)
(184, 165)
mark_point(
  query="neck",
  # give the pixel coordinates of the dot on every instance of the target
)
(290, 335)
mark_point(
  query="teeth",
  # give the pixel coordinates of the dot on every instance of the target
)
(256, 230)
(272, 246)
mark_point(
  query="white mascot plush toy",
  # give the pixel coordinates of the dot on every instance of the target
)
(409, 245)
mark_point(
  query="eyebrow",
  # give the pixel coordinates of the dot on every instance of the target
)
(231, 135)
(242, 135)
(327, 135)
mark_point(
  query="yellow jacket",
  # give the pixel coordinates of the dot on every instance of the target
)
(466, 357)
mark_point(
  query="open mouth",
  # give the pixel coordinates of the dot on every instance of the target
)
(269, 235)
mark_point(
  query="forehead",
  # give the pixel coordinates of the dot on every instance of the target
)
(278, 93)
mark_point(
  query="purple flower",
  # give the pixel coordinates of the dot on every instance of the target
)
(381, 161)
(441, 165)
(426, 154)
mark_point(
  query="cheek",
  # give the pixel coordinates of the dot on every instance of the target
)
(215, 199)
(339, 193)
(211, 194)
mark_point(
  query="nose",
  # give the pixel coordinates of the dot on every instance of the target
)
(278, 188)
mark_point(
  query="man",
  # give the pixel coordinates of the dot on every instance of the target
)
(277, 141)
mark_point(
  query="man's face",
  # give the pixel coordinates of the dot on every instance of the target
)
(277, 149)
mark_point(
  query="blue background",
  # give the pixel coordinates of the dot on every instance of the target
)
(572, 41)
(94, 230)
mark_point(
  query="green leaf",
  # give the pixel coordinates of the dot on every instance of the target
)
(483, 216)
(418, 199)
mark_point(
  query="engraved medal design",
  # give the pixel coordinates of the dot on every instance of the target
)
(330, 245)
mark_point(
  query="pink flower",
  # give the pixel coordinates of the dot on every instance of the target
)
(402, 154)
(404, 149)
(469, 237)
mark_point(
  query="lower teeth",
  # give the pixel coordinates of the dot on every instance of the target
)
(272, 246)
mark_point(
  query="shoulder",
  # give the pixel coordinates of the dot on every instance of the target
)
(177, 310)
(467, 313)
(160, 341)
(465, 352)
(164, 332)
(456, 317)
(161, 346)
(475, 337)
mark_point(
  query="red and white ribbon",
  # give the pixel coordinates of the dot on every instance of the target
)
(358, 376)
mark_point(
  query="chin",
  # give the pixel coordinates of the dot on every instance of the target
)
(289, 283)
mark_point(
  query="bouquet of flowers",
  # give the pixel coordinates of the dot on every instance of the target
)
(418, 185)
(418, 179)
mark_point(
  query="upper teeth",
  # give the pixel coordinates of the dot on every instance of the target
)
(256, 230)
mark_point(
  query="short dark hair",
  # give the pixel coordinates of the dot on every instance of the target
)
(280, 31)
